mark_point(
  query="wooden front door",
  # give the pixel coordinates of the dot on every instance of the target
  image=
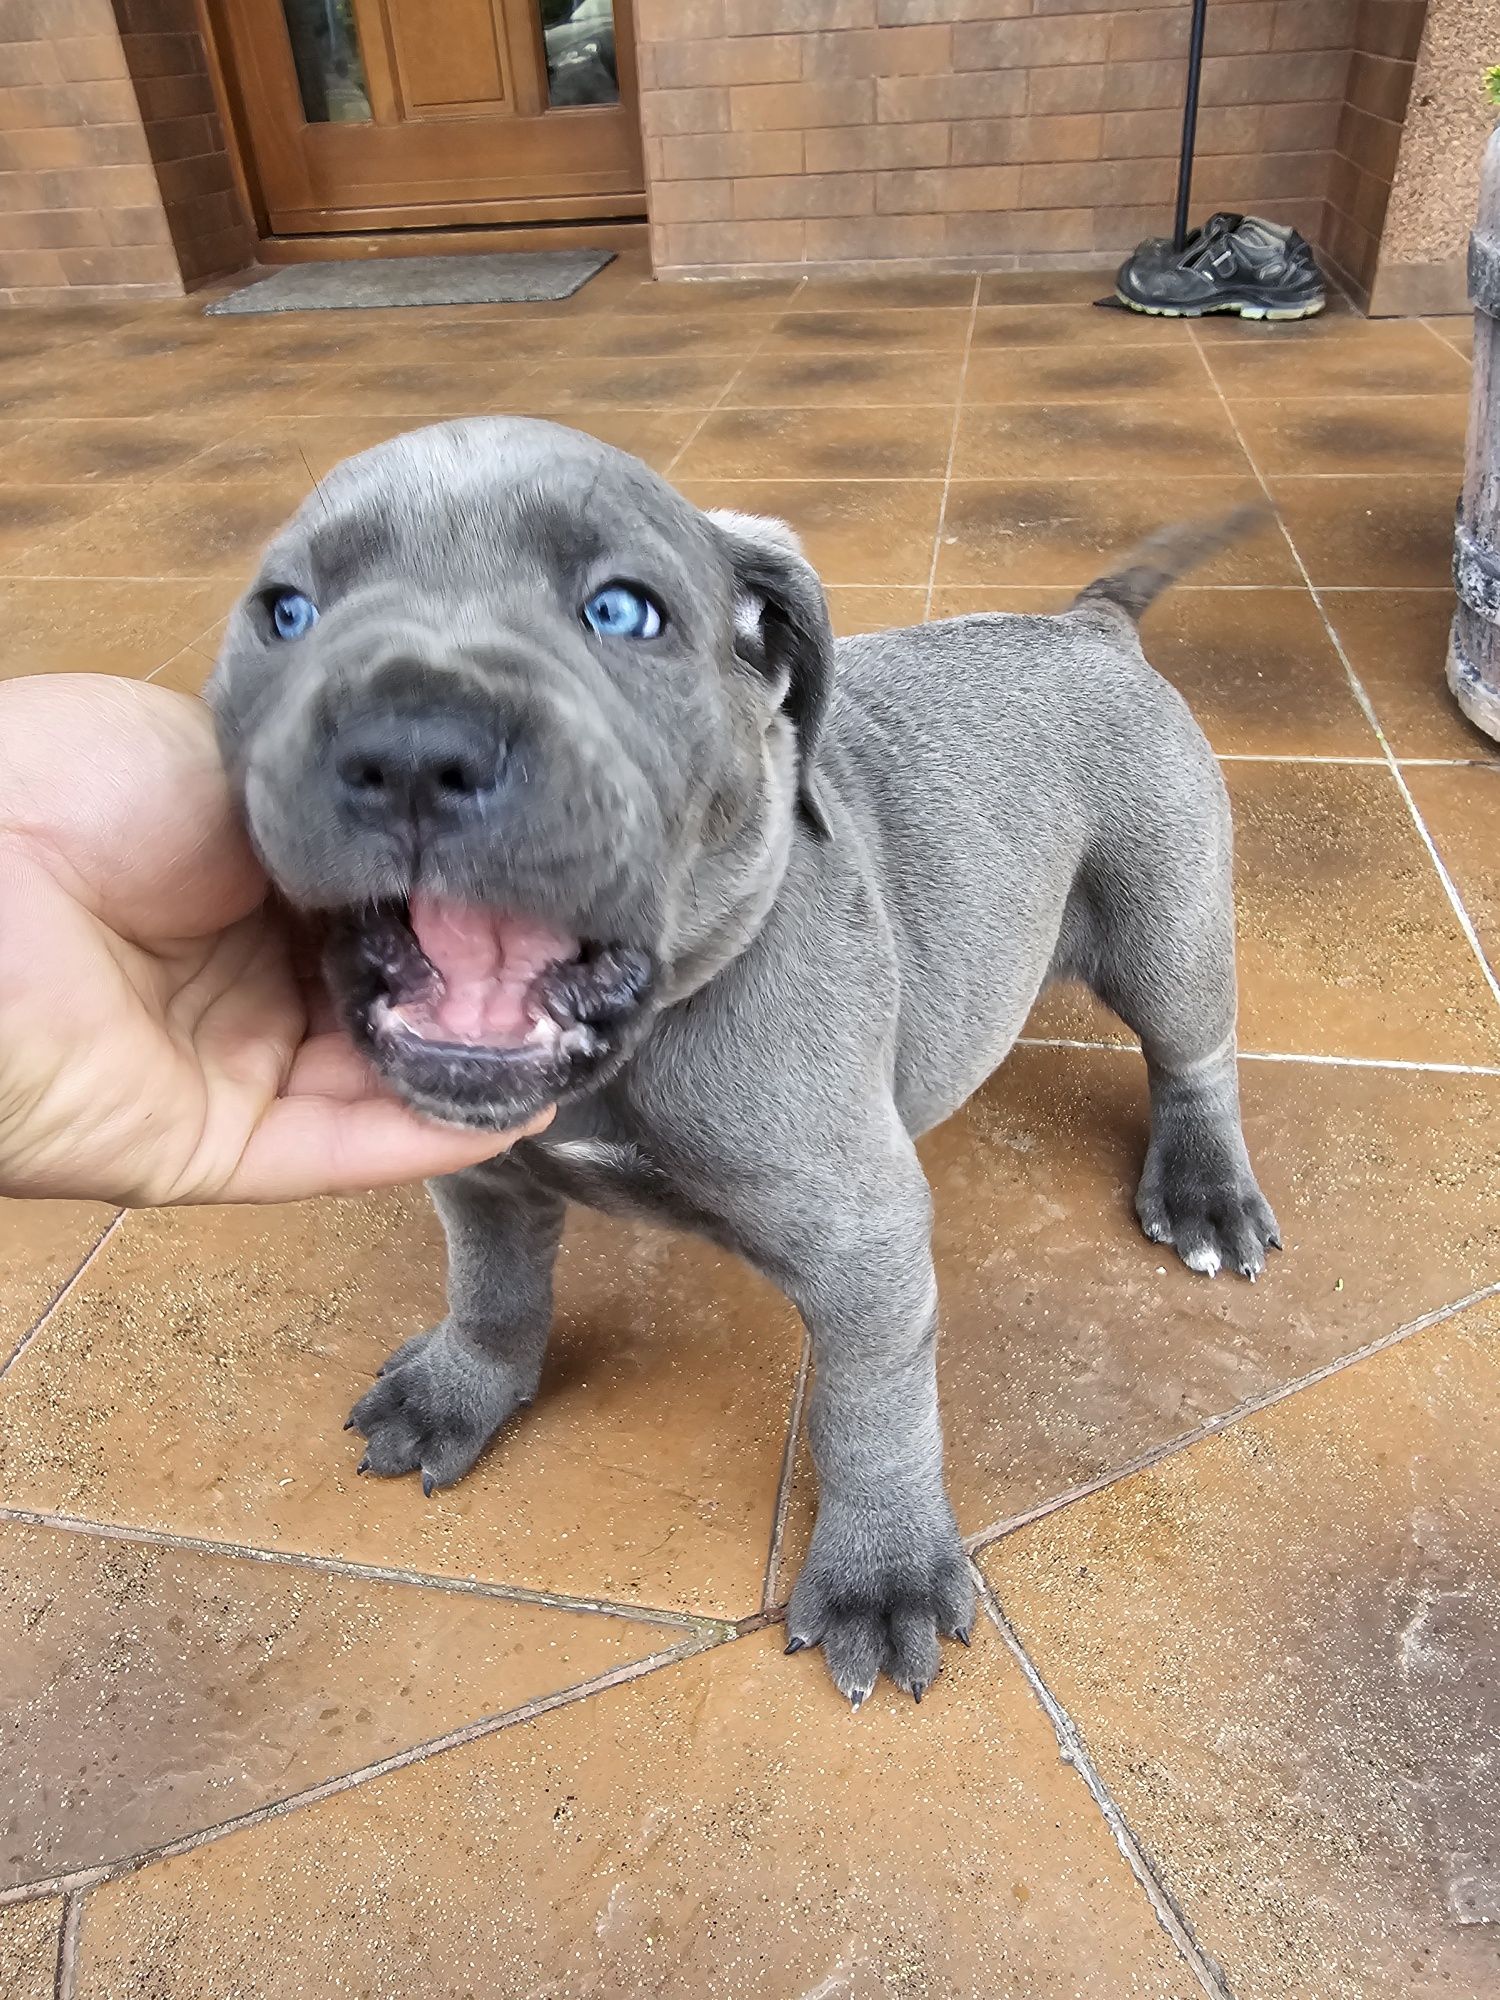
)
(388, 114)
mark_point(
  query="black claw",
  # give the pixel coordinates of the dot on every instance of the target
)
(363, 1466)
(916, 1695)
(795, 1645)
(429, 1484)
(963, 1636)
(349, 1425)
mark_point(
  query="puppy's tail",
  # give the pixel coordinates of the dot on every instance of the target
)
(1165, 556)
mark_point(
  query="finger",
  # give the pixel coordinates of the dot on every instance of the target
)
(307, 1146)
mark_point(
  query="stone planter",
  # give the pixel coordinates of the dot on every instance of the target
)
(1474, 645)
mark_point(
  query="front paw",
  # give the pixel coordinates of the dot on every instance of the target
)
(435, 1406)
(876, 1591)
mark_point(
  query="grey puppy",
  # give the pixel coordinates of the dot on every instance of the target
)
(599, 814)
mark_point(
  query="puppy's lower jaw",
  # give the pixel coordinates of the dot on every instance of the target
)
(480, 1017)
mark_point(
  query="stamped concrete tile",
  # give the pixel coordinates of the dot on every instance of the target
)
(871, 531)
(1397, 643)
(1353, 358)
(669, 381)
(761, 296)
(936, 329)
(1279, 1649)
(1395, 435)
(175, 528)
(31, 516)
(722, 1827)
(198, 1380)
(1065, 531)
(42, 1244)
(898, 293)
(1135, 371)
(1093, 440)
(1044, 288)
(1070, 1345)
(70, 625)
(1348, 944)
(873, 608)
(422, 391)
(1078, 326)
(155, 1692)
(103, 451)
(29, 1935)
(1460, 806)
(1383, 533)
(839, 442)
(868, 380)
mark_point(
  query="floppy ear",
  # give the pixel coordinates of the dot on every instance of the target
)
(781, 628)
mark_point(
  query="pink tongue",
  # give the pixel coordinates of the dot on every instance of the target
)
(487, 965)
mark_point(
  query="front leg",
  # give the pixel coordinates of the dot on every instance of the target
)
(886, 1572)
(442, 1395)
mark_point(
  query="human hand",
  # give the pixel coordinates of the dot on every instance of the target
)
(155, 1041)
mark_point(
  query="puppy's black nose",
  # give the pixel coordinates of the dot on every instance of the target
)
(426, 769)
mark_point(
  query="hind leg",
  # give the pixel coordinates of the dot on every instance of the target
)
(1155, 940)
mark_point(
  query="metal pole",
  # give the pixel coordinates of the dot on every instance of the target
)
(1189, 123)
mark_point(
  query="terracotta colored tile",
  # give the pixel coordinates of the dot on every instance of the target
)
(1058, 326)
(629, 335)
(872, 608)
(1396, 435)
(868, 380)
(1096, 440)
(28, 1949)
(855, 531)
(1460, 806)
(68, 626)
(418, 390)
(1068, 532)
(1348, 944)
(1070, 1345)
(1388, 533)
(1459, 334)
(98, 452)
(753, 295)
(718, 1828)
(187, 672)
(1367, 358)
(663, 382)
(237, 391)
(1131, 372)
(198, 1381)
(913, 290)
(174, 528)
(943, 330)
(1397, 643)
(31, 516)
(1044, 288)
(229, 1684)
(841, 441)
(1279, 1649)
(42, 1244)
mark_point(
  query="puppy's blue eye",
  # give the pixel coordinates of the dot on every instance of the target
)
(292, 614)
(618, 612)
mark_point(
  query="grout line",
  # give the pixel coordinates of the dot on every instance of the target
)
(1253, 1406)
(718, 402)
(958, 415)
(458, 1586)
(60, 1294)
(453, 1739)
(1291, 757)
(1357, 686)
(1074, 1751)
(65, 1978)
(788, 1470)
(1275, 1056)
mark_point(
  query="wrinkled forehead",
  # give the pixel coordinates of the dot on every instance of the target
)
(480, 502)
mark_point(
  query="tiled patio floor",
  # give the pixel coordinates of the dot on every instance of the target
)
(1233, 1723)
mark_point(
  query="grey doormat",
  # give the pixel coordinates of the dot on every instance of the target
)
(497, 279)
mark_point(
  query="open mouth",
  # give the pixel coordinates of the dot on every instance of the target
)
(479, 1014)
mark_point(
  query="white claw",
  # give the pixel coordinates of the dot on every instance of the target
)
(1206, 1260)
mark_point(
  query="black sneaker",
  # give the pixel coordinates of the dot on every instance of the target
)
(1234, 263)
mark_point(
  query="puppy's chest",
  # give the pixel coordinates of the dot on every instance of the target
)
(610, 1172)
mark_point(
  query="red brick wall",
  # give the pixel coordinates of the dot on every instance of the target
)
(838, 132)
(114, 180)
(80, 210)
(1387, 35)
(165, 51)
